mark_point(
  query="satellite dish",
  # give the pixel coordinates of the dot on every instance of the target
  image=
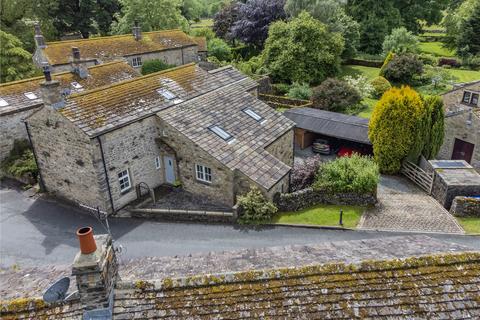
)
(57, 291)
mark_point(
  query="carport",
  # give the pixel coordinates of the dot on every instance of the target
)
(338, 128)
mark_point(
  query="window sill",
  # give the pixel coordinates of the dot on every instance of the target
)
(125, 191)
(207, 183)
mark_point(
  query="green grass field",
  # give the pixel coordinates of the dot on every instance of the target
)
(351, 70)
(470, 224)
(203, 23)
(323, 215)
(437, 49)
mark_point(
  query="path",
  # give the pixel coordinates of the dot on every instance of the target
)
(404, 207)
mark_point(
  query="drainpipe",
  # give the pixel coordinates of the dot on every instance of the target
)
(40, 179)
(106, 174)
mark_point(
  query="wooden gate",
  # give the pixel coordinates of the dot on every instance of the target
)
(421, 178)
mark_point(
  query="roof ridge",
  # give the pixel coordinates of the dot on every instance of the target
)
(109, 37)
(112, 85)
(341, 114)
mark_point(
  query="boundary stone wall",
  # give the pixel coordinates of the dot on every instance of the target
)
(465, 207)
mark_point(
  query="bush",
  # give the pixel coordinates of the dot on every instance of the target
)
(387, 60)
(250, 67)
(20, 161)
(335, 95)
(303, 174)
(357, 174)
(203, 32)
(428, 59)
(400, 41)
(380, 86)
(435, 126)
(254, 207)
(280, 88)
(472, 62)
(155, 65)
(219, 49)
(403, 68)
(452, 62)
(299, 91)
(361, 84)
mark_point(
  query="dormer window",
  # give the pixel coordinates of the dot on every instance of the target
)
(76, 85)
(470, 98)
(31, 95)
(167, 94)
(3, 102)
(137, 62)
(222, 134)
(255, 116)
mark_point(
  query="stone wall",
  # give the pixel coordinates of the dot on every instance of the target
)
(282, 148)
(307, 198)
(445, 194)
(12, 128)
(177, 57)
(465, 207)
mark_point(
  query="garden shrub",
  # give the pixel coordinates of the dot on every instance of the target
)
(361, 84)
(354, 174)
(155, 65)
(335, 95)
(472, 62)
(299, 91)
(387, 60)
(435, 127)
(202, 32)
(219, 49)
(428, 59)
(403, 68)
(20, 161)
(303, 174)
(452, 62)
(380, 86)
(254, 207)
(280, 88)
(400, 41)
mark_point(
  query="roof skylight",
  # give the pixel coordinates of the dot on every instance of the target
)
(253, 114)
(31, 95)
(167, 94)
(221, 133)
(76, 85)
(3, 102)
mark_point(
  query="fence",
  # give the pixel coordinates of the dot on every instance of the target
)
(416, 174)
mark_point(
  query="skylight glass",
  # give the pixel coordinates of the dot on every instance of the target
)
(76, 85)
(253, 114)
(167, 94)
(3, 103)
(221, 133)
(31, 95)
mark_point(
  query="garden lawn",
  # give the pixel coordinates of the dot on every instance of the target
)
(203, 23)
(470, 224)
(465, 75)
(350, 70)
(322, 215)
(437, 49)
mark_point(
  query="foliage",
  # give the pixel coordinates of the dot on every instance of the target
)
(455, 20)
(15, 62)
(219, 49)
(155, 65)
(387, 60)
(380, 86)
(358, 174)
(203, 32)
(224, 20)
(472, 62)
(428, 59)
(73, 16)
(255, 207)
(361, 85)
(20, 161)
(396, 128)
(251, 67)
(152, 15)
(400, 41)
(302, 50)
(332, 14)
(468, 41)
(335, 95)
(439, 77)
(303, 174)
(436, 48)
(280, 88)
(435, 126)
(105, 12)
(403, 68)
(451, 62)
(300, 91)
(254, 19)
(191, 10)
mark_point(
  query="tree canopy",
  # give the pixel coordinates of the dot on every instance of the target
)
(400, 41)
(468, 41)
(15, 62)
(302, 50)
(224, 20)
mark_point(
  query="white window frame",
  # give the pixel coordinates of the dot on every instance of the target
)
(158, 162)
(252, 114)
(124, 180)
(76, 85)
(219, 131)
(31, 95)
(203, 173)
(137, 61)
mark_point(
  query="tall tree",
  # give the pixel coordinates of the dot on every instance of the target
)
(105, 12)
(302, 50)
(254, 19)
(435, 127)
(15, 62)
(468, 42)
(191, 10)
(224, 19)
(152, 14)
(74, 16)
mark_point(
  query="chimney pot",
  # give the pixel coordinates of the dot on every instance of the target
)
(38, 31)
(39, 39)
(76, 53)
(47, 73)
(137, 31)
(87, 242)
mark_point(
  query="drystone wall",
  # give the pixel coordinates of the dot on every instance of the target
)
(465, 207)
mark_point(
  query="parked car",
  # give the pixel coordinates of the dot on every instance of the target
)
(322, 146)
(345, 151)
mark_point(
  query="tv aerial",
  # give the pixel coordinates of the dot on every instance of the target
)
(57, 292)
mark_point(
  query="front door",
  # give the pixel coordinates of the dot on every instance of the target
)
(462, 150)
(169, 170)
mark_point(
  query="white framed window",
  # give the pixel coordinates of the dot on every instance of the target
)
(222, 134)
(31, 95)
(124, 181)
(204, 174)
(158, 163)
(137, 62)
(253, 114)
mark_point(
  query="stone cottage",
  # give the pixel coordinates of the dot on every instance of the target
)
(462, 124)
(204, 130)
(19, 99)
(171, 46)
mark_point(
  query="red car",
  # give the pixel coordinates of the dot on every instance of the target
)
(348, 151)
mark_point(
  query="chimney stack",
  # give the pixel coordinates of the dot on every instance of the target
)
(78, 66)
(137, 31)
(39, 39)
(95, 268)
(51, 91)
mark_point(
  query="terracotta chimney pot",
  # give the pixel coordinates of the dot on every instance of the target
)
(87, 242)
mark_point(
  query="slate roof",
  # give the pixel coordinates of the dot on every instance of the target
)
(331, 124)
(107, 108)
(224, 108)
(114, 47)
(201, 42)
(100, 75)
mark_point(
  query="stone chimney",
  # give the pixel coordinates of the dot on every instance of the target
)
(78, 66)
(95, 269)
(51, 92)
(39, 39)
(137, 31)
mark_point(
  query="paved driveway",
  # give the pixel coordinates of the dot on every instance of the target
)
(404, 207)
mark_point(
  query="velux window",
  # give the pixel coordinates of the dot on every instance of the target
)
(124, 181)
(167, 94)
(204, 174)
(137, 62)
(31, 95)
(222, 133)
(3, 102)
(255, 116)
(76, 85)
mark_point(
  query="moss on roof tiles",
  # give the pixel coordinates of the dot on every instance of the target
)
(112, 47)
(201, 42)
